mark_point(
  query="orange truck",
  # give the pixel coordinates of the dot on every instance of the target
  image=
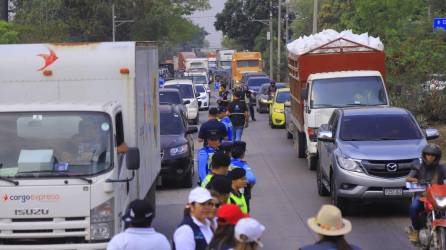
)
(245, 62)
(182, 56)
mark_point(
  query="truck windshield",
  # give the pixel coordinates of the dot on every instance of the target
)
(348, 91)
(257, 81)
(225, 63)
(379, 127)
(185, 89)
(247, 63)
(283, 96)
(54, 144)
(170, 97)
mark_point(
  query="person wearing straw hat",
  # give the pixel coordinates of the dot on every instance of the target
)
(331, 228)
(248, 232)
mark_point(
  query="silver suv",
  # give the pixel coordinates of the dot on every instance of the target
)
(366, 153)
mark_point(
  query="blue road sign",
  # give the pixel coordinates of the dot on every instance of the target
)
(439, 23)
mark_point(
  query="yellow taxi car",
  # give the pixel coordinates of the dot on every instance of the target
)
(277, 110)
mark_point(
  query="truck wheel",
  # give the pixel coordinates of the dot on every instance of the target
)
(289, 135)
(321, 189)
(301, 145)
(312, 162)
(337, 201)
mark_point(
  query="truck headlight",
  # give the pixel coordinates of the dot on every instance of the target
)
(102, 221)
(179, 150)
(441, 201)
(349, 164)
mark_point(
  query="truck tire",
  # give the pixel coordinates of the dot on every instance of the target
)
(321, 189)
(312, 162)
(301, 145)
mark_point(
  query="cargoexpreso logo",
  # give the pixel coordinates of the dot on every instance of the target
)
(30, 197)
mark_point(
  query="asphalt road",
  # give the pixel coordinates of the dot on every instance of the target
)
(285, 196)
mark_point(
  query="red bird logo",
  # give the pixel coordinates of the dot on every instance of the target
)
(49, 59)
(5, 197)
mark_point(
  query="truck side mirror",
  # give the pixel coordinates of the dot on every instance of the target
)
(304, 94)
(186, 102)
(432, 134)
(133, 159)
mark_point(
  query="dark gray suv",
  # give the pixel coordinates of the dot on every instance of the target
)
(366, 153)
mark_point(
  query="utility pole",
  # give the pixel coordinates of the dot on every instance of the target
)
(279, 38)
(271, 75)
(4, 10)
(315, 16)
(117, 23)
(286, 22)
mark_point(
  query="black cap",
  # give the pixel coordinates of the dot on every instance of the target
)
(220, 159)
(213, 135)
(222, 109)
(138, 212)
(213, 111)
(220, 184)
(237, 173)
(239, 144)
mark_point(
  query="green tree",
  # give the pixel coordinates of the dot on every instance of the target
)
(8, 34)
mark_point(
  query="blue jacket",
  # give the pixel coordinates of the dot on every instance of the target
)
(204, 159)
(243, 164)
(227, 122)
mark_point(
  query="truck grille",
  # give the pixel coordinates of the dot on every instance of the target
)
(388, 169)
(43, 230)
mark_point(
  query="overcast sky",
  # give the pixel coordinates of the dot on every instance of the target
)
(206, 19)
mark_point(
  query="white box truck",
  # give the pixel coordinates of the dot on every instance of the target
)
(80, 140)
(224, 58)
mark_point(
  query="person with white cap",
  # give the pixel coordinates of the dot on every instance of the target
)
(194, 232)
(331, 228)
(139, 235)
(248, 232)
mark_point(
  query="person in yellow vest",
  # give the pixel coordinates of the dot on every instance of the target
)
(220, 166)
(239, 182)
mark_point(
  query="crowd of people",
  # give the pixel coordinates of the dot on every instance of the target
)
(217, 213)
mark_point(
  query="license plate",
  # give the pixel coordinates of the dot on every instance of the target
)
(393, 191)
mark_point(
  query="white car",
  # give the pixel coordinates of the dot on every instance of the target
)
(189, 95)
(204, 96)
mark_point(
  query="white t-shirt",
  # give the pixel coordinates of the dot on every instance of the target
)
(139, 239)
(184, 236)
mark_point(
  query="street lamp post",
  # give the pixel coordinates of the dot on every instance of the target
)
(271, 75)
(279, 38)
(117, 23)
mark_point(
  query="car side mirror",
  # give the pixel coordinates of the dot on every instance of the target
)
(197, 94)
(132, 159)
(186, 102)
(325, 136)
(304, 94)
(191, 130)
(432, 134)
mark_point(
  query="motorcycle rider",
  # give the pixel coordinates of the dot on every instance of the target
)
(272, 88)
(428, 171)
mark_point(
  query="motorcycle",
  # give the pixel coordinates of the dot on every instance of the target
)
(433, 234)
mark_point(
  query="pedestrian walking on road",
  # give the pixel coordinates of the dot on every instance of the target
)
(194, 232)
(205, 155)
(224, 118)
(212, 124)
(238, 112)
(248, 233)
(220, 166)
(139, 235)
(331, 228)
(251, 103)
(227, 217)
(238, 177)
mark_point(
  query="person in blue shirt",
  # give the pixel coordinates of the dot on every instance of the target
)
(224, 118)
(206, 152)
(238, 151)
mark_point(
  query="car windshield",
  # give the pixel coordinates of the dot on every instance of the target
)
(283, 96)
(200, 88)
(257, 81)
(348, 91)
(247, 63)
(379, 127)
(170, 97)
(55, 144)
(185, 89)
(225, 63)
(171, 124)
(198, 79)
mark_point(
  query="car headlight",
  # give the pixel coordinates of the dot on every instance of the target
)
(102, 221)
(179, 150)
(263, 100)
(276, 110)
(441, 201)
(349, 164)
